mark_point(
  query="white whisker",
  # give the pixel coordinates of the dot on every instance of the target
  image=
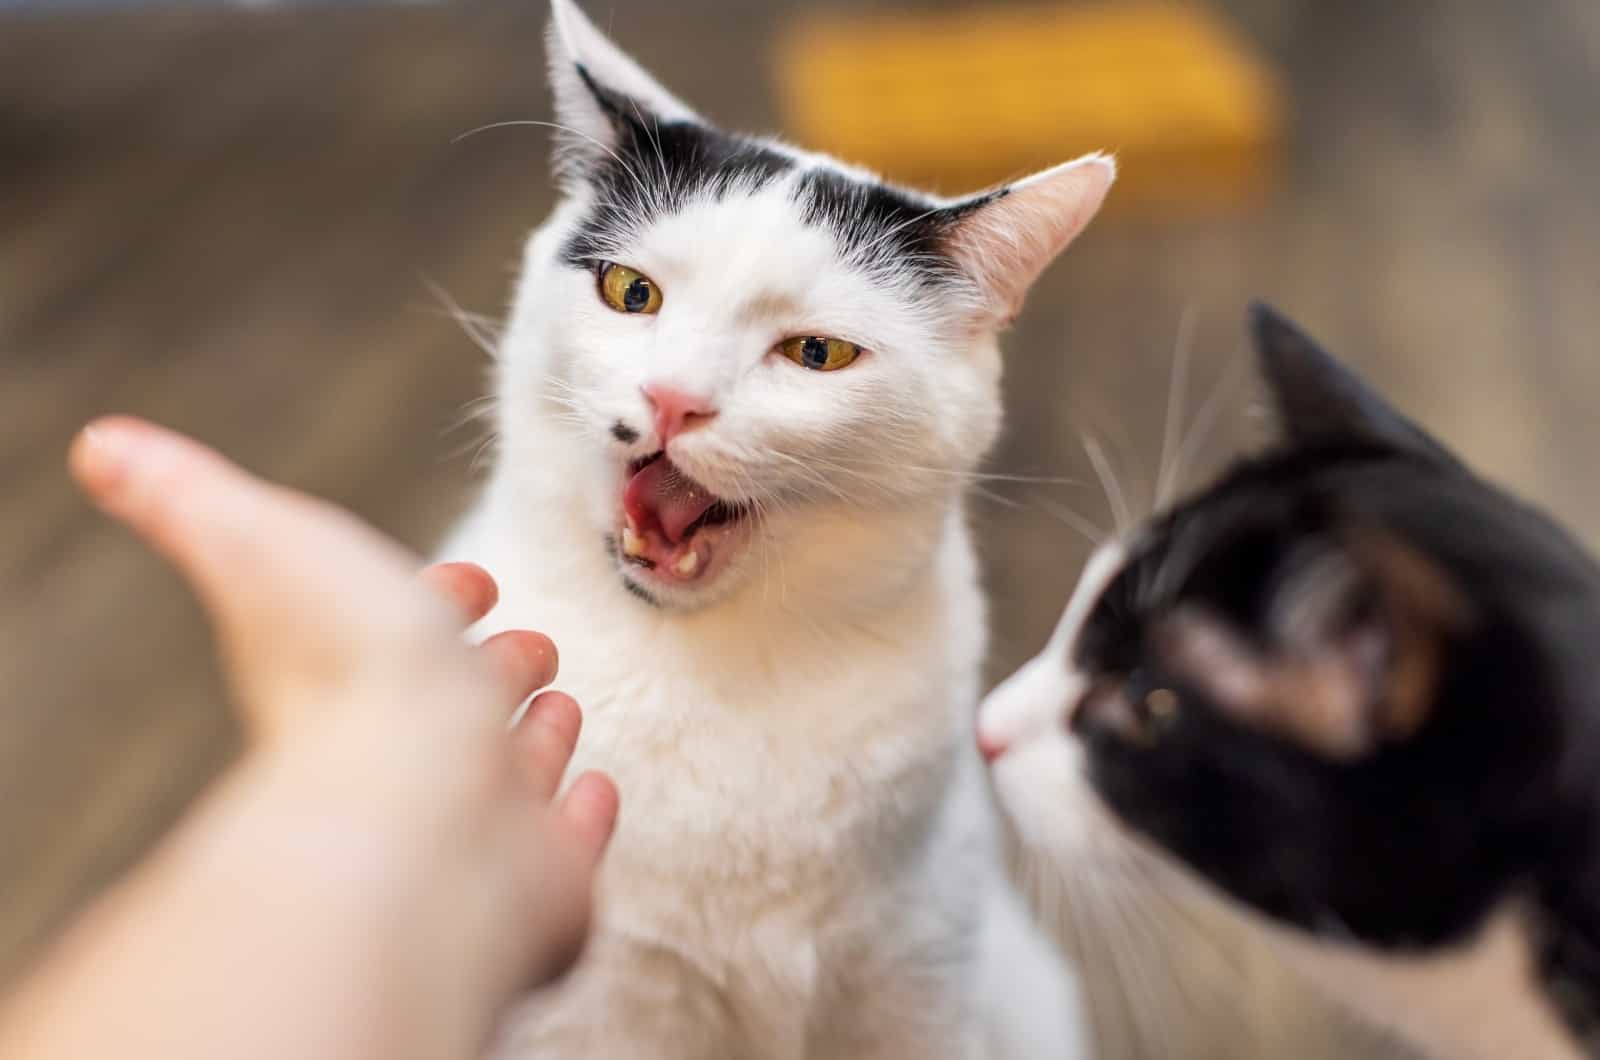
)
(1205, 420)
(1075, 521)
(1177, 387)
(1121, 515)
(470, 323)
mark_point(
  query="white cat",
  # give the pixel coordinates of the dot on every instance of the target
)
(740, 394)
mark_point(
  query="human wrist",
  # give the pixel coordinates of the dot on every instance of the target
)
(409, 913)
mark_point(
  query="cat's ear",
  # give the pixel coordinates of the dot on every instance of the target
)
(1321, 401)
(604, 100)
(1350, 656)
(1004, 238)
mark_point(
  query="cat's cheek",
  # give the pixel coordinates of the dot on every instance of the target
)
(1059, 821)
(1045, 796)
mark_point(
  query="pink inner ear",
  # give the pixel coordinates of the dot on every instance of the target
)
(1005, 244)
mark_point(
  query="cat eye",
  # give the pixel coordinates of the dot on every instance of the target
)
(1161, 705)
(818, 353)
(1128, 708)
(628, 290)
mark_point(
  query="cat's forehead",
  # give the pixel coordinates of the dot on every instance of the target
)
(722, 185)
(1229, 536)
(659, 168)
(1273, 507)
(743, 244)
(1220, 550)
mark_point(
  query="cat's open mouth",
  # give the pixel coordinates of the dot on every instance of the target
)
(673, 527)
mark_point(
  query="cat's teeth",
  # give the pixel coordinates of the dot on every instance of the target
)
(688, 564)
(632, 544)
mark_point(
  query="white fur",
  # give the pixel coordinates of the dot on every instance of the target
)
(807, 862)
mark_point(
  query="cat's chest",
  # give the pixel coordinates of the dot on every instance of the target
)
(738, 737)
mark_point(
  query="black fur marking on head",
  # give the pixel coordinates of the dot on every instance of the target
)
(877, 225)
(615, 104)
(1415, 842)
(623, 433)
(657, 168)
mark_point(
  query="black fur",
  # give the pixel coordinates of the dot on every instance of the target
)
(876, 225)
(1412, 843)
(1320, 400)
(609, 542)
(658, 167)
(639, 591)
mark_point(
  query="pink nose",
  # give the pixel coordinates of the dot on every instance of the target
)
(990, 747)
(676, 411)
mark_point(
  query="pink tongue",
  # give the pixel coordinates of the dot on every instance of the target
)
(660, 494)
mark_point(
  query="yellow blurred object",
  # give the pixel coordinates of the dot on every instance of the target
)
(960, 100)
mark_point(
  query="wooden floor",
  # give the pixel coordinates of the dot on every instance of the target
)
(231, 222)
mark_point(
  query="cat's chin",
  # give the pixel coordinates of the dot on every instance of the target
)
(689, 573)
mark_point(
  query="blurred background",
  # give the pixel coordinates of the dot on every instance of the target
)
(247, 221)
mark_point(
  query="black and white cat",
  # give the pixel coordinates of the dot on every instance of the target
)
(1355, 688)
(740, 396)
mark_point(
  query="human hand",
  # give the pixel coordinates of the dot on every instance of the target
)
(362, 700)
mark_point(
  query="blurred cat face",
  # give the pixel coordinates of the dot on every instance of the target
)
(1322, 684)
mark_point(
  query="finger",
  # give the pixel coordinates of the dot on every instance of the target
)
(243, 545)
(560, 889)
(466, 585)
(545, 740)
(590, 809)
(524, 661)
(563, 856)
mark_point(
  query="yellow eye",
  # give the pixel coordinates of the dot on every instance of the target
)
(628, 291)
(820, 354)
(1162, 705)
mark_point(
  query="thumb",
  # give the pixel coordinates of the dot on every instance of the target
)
(287, 581)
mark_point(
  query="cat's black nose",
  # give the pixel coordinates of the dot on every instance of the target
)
(623, 433)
